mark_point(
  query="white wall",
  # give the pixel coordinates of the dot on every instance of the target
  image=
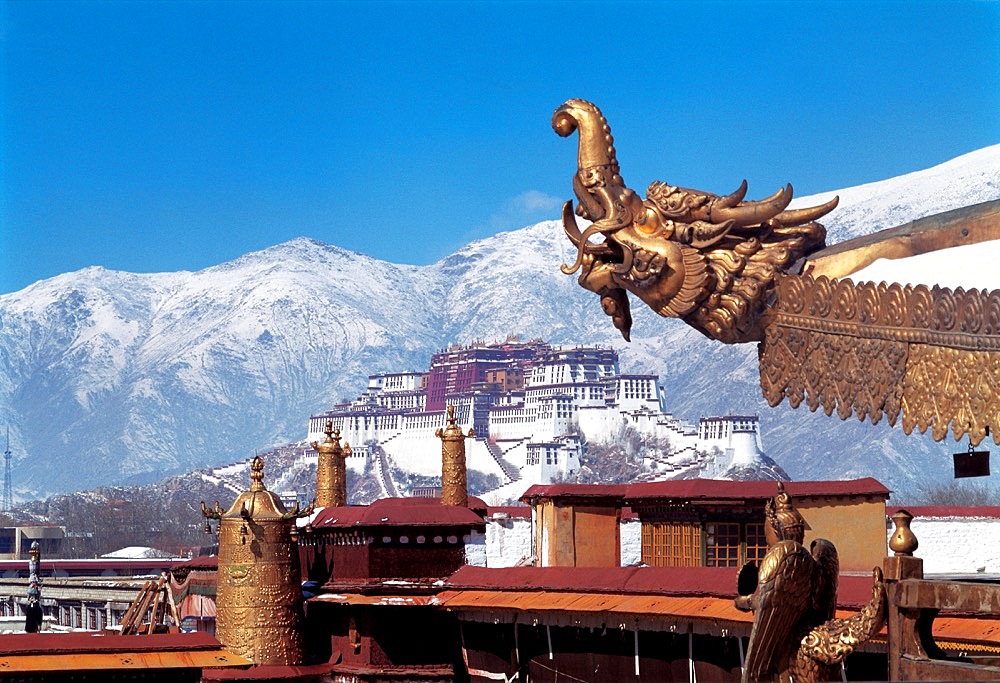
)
(508, 540)
(631, 542)
(957, 544)
(475, 549)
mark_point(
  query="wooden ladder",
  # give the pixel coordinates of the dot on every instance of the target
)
(155, 599)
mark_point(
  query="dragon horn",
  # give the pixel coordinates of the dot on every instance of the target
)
(731, 200)
(754, 213)
(800, 216)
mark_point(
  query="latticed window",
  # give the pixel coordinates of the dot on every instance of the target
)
(722, 544)
(671, 544)
(756, 543)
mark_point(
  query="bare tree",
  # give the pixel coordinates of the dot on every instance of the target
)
(960, 492)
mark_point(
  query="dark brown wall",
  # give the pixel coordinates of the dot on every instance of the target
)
(414, 562)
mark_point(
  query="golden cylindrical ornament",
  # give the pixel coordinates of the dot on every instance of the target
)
(331, 469)
(259, 599)
(454, 479)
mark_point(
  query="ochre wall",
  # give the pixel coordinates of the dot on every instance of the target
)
(576, 536)
(595, 532)
(857, 529)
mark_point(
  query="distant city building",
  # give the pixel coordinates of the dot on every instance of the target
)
(533, 406)
(15, 541)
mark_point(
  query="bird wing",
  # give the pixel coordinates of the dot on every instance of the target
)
(824, 597)
(783, 596)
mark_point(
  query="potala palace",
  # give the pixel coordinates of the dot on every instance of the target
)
(533, 407)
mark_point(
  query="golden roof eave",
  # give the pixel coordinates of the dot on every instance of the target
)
(931, 355)
(925, 353)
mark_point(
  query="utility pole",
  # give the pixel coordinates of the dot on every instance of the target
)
(8, 493)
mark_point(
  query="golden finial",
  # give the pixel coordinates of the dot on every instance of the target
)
(332, 442)
(257, 474)
(903, 541)
(331, 474)
(454, 478)
(453, 431)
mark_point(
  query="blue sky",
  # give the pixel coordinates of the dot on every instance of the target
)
(148, 136)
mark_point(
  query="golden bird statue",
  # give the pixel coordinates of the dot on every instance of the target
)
(795, 636)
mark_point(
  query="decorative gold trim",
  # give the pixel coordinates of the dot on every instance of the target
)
(953, 386)
(929, 353)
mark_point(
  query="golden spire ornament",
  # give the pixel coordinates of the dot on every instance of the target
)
(454, 481)
(259, 598)
(331, 469)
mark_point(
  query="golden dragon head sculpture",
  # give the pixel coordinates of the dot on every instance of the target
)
(710, 260)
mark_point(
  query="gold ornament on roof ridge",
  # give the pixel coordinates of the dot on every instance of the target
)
(710, 260)
(259, 593)
(783, 519)
(454, 476)
(331, 468)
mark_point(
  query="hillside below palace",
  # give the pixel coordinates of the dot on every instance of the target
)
(533, 407)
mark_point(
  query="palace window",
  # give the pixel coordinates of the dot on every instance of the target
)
(722, 544)
(702, 544)
(671, 544)
(756, 543)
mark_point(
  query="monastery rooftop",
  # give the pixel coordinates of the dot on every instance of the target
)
(707, 489)
(401, 512)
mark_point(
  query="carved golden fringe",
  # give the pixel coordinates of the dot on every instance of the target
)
(932, 354)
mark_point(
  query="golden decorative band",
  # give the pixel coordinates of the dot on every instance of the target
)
(924, 315)
(930, 354)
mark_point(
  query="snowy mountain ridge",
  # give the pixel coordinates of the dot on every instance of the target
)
(113, 378)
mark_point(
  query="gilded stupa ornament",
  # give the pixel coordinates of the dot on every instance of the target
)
(259, 591)
(331, 469)
(709, 260)
(454, 478)
(793, 596)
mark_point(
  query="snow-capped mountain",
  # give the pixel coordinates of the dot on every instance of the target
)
(111, 377)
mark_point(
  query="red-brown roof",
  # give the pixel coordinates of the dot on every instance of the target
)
(97, 565)
(607, 491)
(58, 654)
(67, 643)
(206, 562)
(705, 489)
(853, 591)
(520, 511)
(285, 674)
(696, 489)
(396, 512)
